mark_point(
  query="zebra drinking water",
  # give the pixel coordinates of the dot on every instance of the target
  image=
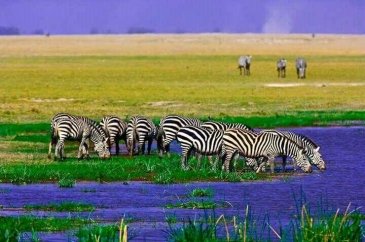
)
(310, 148)
(81, 130)
(301, 66)
(169, 126)
(244, 62)
(281, 67)
(201, 140)
(140, 130)
(266, 145)
(116, 129)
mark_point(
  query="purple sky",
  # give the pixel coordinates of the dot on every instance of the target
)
(170, 16)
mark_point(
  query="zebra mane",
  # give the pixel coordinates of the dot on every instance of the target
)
(308, 140)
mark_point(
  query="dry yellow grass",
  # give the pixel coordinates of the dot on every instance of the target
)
(185, 44)
(194, 75)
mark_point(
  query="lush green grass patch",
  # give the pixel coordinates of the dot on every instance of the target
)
(114, 232)
(195, 204)
(62, 207)
(201, 192)
(66, 183)
(12, 227)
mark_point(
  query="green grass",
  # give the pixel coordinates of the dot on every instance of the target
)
(66, 183)
(104, 233)
(201, 192)
(192, 85)
(62, 207)
(195, 204)
(12, 227)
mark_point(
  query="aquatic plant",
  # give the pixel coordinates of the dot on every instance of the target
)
(104, 233)
(201, 192)
(66, 183)
(62, 207)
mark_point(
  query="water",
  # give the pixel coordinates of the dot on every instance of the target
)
(342, 183)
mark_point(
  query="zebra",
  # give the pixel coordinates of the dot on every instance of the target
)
(261, 145)
(116, 129)
(67, 116)
(301, 66)
(79, 129)
(201, 140)
(168, 128)
(311, 148)
(214, 125)
(244, 62)
(140, 129)
(281, 67)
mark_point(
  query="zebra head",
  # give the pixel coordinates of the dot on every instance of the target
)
(317, 160)
(302, 161)
(102, 148)
(248, 59)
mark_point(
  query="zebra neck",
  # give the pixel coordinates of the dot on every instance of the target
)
(95, 136)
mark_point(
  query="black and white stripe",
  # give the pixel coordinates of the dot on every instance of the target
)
(266, 145)
(281, 67)
(301, 66)
(67, 116)
(214, 125)
(201, 140)
(80, 130)
(140, 130)
(310, 147)
(169, 126)
(116, 130)
(244, 62)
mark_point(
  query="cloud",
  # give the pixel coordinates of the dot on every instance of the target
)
(278, 19)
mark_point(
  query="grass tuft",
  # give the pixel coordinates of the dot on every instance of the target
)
(62, 207)
(201, 192)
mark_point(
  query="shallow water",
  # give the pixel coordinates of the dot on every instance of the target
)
(342, 183)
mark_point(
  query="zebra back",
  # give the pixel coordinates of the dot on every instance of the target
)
(170, 125)
(213, 125)
(281, 63)
(114, 127)
(254, 145)
(206, 142)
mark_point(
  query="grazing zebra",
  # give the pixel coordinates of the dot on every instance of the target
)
(301, 66)
(169, 126)
(310, 148)
(201, 140)
(266, 145)
(116, 129)
(67, 116)
(244, 62)
(140, 129)
(79, 129)
(281, 67)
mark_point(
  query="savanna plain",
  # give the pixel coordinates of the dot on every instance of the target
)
(157, 75)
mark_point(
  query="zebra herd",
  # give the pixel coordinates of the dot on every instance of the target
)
(225, 141)
(244, 63)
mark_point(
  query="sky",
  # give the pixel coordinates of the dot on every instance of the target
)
(184, 16)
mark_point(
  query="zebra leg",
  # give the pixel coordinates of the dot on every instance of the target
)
(199, 158)
(185, 156)
(59, 147)
(271, 163)
(116, 142)
(81, 152)
(227, 161)
(284, 157)
(284, 73)
(149, 146)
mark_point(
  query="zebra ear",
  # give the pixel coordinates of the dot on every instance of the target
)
(317, 149)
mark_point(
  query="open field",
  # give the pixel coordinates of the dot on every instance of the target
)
(194, 75)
